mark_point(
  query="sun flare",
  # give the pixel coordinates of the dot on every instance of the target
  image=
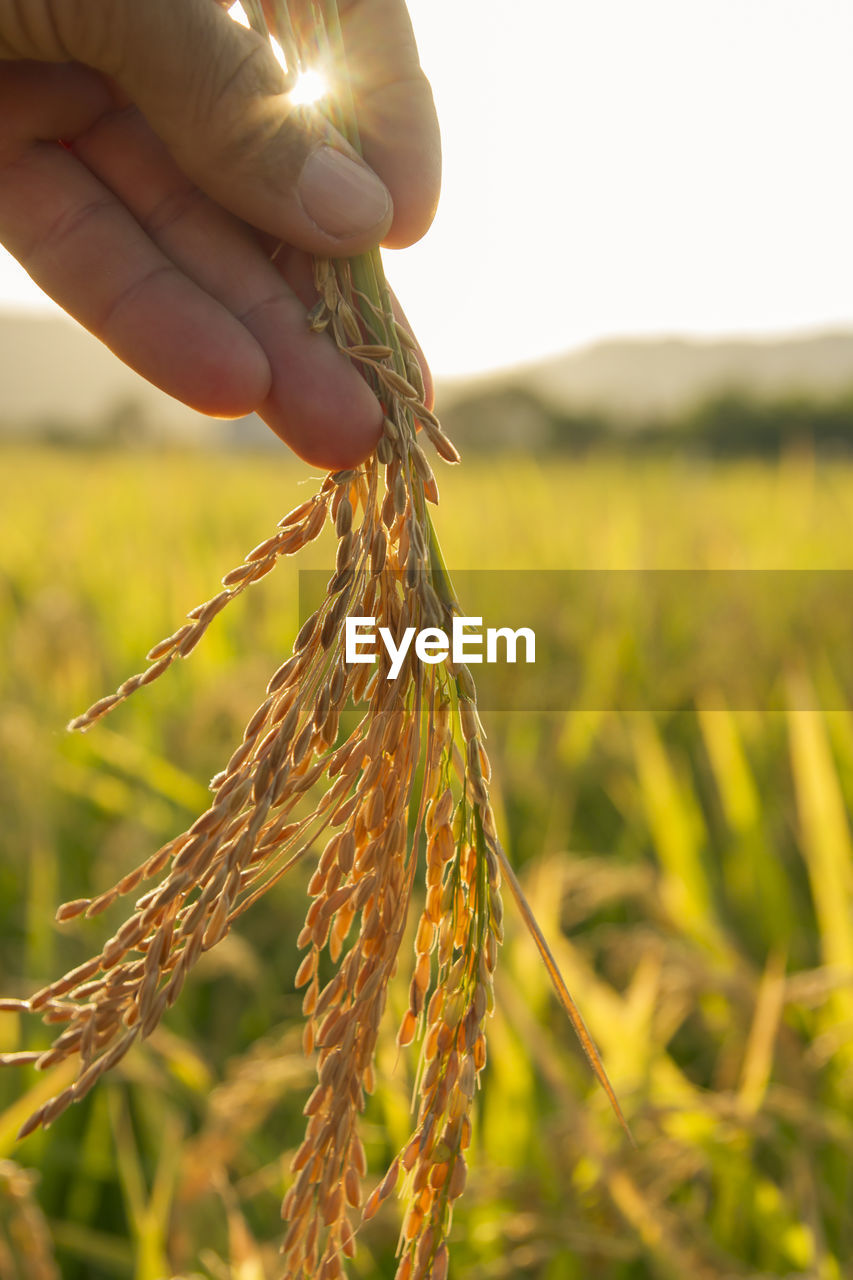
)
(238, 13)
(310, 86)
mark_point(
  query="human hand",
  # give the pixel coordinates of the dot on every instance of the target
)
(182, 166)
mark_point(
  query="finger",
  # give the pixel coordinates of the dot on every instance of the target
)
(317, 402)
(87, 252)
(296, 268)
(216, 95)
(396, 112)
(47, 102)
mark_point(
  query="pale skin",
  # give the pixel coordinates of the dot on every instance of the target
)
(182, 166)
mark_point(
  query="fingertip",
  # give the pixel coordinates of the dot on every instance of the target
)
(331, 442)
(235, 380)
(320, 406)
(344, 200)
(415, 206)
(220, 394)
(402, 144)
(318, 403)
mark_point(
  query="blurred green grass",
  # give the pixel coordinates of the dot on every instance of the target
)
(692, 871)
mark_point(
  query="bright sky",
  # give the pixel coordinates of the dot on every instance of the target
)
(628, 166)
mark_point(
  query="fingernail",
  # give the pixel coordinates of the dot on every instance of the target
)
(341, 196)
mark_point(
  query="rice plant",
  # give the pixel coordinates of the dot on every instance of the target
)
(407, 782)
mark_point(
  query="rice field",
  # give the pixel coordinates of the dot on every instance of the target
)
(692, 871)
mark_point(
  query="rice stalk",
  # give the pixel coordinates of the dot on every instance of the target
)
(413, 771)
(26, 1249)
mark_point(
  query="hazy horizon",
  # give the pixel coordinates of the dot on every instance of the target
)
(56, 377)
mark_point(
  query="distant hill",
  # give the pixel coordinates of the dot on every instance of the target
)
(638, 378)
(56, 378)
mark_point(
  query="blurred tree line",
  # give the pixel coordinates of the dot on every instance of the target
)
(729, 424)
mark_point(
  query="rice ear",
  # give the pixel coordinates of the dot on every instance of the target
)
(296, 788)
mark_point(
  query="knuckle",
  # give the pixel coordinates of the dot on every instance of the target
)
(245, 113)
(71, 222)
(93, 31)
(246, 66)
(61, 30)
(171, 210)
(242, 145)
(27, 30)
(35, 248)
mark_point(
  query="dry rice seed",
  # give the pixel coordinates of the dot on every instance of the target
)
(400, 495)
(314, 523)
(100, 708)
(425, 415)
(385, 450)
(396, 382)
(306, 632)
(371, 352)
(352, 1188)
(440, 1263)
(237, 575)
(330, 295)
(319, 317)
(347, 1239)
(378, 548)
(298, 514)
(404, 337)
(69, 910)
(343, 517)
(468, 719)
(415, 374)
(164, 646)
(268, 547)
(349, 321)
(422, 466)
(341, 580)
(388, 513)
(29, 1126)
(443, 445)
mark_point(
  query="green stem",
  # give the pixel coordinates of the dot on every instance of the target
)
(441, 582)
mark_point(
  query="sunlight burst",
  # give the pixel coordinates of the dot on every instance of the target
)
(310, 86)
(238, 13)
